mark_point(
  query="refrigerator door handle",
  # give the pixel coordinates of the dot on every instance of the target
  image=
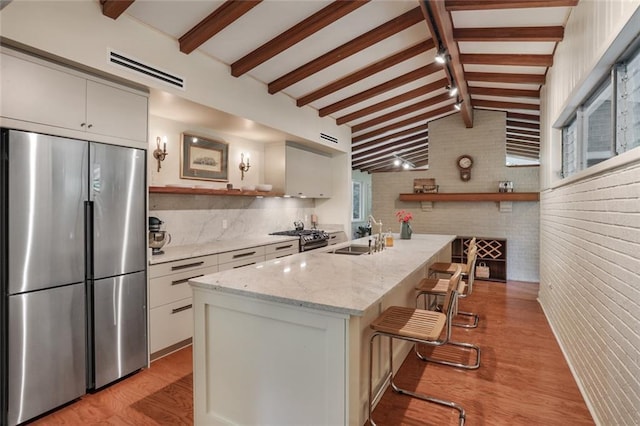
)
(88, 243)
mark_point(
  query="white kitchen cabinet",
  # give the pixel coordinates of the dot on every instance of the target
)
(54, 96)
(171, 316)
(337, 237)
(276, 251)
(240, 258)
(297, 171)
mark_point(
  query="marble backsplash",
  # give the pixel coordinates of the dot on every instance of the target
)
(196, 219)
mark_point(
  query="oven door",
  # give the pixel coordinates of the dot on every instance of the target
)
(311, 245)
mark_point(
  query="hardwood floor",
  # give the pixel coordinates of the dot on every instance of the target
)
(523, 379)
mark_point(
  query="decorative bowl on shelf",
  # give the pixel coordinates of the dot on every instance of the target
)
(264, 187)
(249, 188)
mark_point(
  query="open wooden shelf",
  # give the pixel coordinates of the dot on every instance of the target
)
(472, 196)
(209, 191)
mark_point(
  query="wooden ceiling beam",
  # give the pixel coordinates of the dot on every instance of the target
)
(295, 34)
(425, 116)
(531, 155)
(402, 111)
(114, 8)
(505, 105)
(507, 59)
(360, 148)
(218, 20)
(522, 124)
(523, 138)
(498, 77)
(457, 5)
(523, 149)
(350, 48)
(406, 132)
(390, 154)
(511, 34)
(509, 93)
(439, 22)
(512, 131)
(422, 138)
(381, 88)
(521, 116)
(388, 103)
(368, 71)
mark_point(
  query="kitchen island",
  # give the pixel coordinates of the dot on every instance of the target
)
(286, 341)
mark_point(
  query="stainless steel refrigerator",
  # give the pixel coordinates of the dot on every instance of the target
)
(73, 276)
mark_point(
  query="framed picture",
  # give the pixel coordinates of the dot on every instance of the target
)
(203, 158)
(357, 204)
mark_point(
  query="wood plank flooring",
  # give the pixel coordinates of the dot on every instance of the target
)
(523, 379)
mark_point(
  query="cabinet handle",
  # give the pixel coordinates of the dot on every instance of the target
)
(90, 126)
(83, 124)
(188, 265)
(182, 308)
(176, 282)
(235, 256)
(284, 255)
(284, 247)
(242, 266)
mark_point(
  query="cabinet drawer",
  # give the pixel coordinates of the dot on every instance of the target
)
(170, 324)
(170, 288)
(184, 265)
(240, 263)
(286, 246)
(231, 256)
(280, 254)
(337, 237)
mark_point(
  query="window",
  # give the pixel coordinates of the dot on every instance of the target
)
(608, 122)
(357, 203)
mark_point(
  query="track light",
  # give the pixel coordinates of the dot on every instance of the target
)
(458, 105)
(441, 56)
(453, 90)
(399, 161)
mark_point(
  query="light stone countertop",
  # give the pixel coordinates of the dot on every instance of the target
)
(172, 253)
(321, 280)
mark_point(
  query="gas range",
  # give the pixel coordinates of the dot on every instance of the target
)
(309, 238)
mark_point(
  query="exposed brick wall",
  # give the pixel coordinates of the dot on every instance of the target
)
(590, 286)
(485, 142)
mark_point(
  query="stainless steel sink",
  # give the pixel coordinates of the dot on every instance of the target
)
(354, 250)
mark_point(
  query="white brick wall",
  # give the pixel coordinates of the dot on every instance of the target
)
(590, 286)
(485, 142)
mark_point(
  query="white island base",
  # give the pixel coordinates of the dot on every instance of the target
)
(286, 342)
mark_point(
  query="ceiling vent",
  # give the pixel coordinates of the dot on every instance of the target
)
(328, 138)
(148, 70)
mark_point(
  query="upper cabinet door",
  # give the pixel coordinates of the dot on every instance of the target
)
(308, 174)
(116, 112)
(35, 93)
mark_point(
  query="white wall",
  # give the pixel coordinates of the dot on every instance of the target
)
(590, 226)
(485, 142)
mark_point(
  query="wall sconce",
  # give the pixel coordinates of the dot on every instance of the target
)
(244, 167)
(160, 154)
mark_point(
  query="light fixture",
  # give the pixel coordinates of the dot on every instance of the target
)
(160, 154)
(453, 90)
(399, 161)
(458, 105)
(244, 167)
(441, 56)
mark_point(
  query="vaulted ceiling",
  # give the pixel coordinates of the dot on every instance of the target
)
(370, 64)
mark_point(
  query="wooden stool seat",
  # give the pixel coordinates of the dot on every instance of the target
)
(410, 322)
(433, 285)
(448, 268)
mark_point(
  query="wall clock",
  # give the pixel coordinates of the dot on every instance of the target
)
(464, 163)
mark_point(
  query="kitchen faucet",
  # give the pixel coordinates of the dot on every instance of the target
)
(379, 241)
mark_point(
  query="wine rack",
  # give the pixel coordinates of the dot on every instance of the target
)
(491, 251)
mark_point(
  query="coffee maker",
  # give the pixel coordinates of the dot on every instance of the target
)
(157, 237)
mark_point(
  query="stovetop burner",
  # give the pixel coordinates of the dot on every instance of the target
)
(309, 238)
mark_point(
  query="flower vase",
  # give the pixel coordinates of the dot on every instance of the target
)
(405, 231)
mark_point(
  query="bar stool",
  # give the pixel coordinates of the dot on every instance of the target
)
(429, 287)
(417, 326)
(450, 267)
